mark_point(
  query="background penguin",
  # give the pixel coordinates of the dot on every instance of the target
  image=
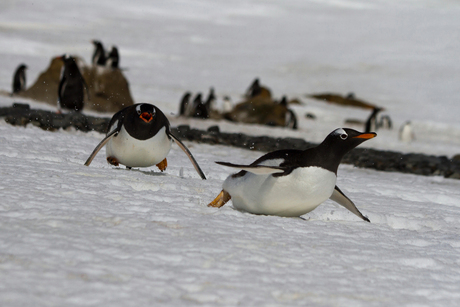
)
(210, 101)
(292, 182)
(371, 123)
(185, 104)
(19, 79)
(199, 109)
(140, 136)
(71, 86)
(406, 133)
(113, 59)
(99, 53)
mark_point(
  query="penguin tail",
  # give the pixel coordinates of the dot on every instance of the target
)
(220, 200)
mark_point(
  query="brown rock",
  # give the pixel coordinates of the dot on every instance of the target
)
(108, 87)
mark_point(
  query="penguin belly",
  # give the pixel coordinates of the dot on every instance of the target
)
(139, 153)
(292, 195)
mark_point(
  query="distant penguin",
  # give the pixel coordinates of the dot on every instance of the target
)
(284, 101)
(71, 91)
(185, 104)
(210, 100)
(199, 109)
(385, 122)
(140, 136)
(227, 106)
(99, 57)
(254, 89)
(19, 79)
(406, 133)
(371, 123)
(292, 182)
(291, 119)
(113, 59)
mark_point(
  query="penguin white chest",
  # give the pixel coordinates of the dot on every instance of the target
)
(300, 192)
(139, 153)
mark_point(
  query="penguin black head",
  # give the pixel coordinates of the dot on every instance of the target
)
(344, 139)
(22, 67)
(340, 141)
(143, 121)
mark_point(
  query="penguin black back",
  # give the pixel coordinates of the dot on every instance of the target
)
(71, 86)
(371, 123)
(99, 53)
(113, 58)
(142, 121)
(185, 104)
(19, 79)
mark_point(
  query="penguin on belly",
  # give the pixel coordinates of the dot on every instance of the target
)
(291, 182)
(140, 136)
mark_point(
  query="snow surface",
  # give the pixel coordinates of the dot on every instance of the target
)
(72, 235)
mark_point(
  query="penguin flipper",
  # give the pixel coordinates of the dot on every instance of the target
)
(100, 145)
(189, 155)
(255, 169)
(343, 200)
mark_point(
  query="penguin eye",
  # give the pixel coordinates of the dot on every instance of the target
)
(343, 136)
(139, 112)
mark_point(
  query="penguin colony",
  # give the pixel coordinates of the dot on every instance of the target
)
(286, 183)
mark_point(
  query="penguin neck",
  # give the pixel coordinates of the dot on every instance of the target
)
(327, 156)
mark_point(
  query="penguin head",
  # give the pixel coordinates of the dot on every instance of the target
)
(342, 140)
(22, 67)
(143, 120)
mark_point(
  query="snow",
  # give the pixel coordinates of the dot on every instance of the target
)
(72, 235)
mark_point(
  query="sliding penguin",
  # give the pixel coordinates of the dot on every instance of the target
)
(140, 136)
(19, 79)
(292, 182)
(71, 92)
(99, 57)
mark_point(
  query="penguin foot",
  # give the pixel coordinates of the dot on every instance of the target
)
(163, 165)
(220, 200)
(113, 161)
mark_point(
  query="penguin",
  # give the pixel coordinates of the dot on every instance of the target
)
(140, 136)
(199, 109)
(19, 79)
(185, 105)
(254, 89)
(227, 105)
(385, 122)
(371, 123)
(292, 182)
(113, 58)
(99, 57)
(210, 101)
(406, 133)
(71, 86)
(291, 120)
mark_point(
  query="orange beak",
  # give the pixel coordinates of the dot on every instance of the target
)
(146, 117)
(366, 136)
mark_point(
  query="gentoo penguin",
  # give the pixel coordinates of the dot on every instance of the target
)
(19, 79)
(113, 59)
(210, 101)
(292, 182)
(140, 136)
(385, 122)
(99, 53)
(185, 105)
(406, 133)
(371, 123)
(227, 106)
(71, 86)
(199, 109)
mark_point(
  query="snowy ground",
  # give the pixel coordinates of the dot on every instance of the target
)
(72, 235)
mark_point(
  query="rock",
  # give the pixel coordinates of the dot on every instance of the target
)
(348, 100)
(108, 88)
